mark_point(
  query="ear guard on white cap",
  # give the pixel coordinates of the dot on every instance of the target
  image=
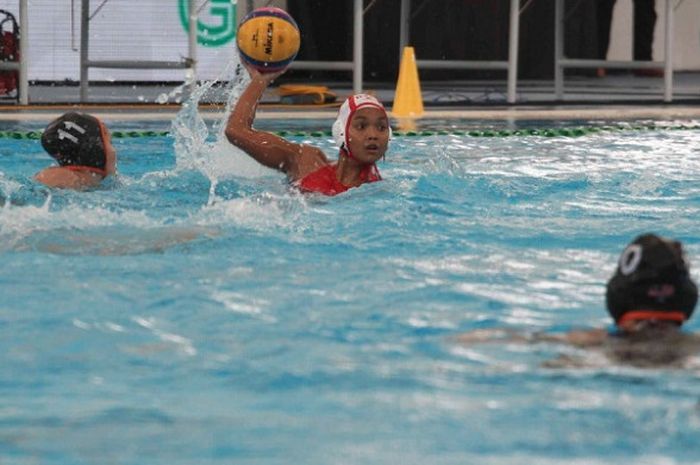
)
(338, 131)
(347, 109)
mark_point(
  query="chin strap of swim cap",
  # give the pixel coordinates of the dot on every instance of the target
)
(344, 151)
(341, 126)
(647, 315)
(367, 170)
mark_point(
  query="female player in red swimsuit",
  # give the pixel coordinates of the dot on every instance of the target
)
(650, 296)
(82, 146)
(361, 131)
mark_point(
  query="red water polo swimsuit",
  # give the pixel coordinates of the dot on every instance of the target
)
(83, 168)
(324, 180)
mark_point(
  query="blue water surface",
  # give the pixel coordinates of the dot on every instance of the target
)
(195, 309)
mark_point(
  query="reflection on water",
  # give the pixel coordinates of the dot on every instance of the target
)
(202, 312)
(101, 241)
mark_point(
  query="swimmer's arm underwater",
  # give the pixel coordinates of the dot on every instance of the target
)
(64, 178)
(296, 160)
(577, 338)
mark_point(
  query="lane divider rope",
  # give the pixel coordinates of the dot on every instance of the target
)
(544, 132)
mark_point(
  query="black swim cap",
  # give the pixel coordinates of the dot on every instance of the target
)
(652, 276)
(75, 139)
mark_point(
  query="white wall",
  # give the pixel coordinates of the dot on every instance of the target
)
(123, 30)
(686, 54)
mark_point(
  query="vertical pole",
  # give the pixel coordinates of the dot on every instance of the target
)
(668, 54)
(192, 44)
(514, 40)
(358, 32)
(404, 25)
(558, 49)
(84, 36)
(23, 91)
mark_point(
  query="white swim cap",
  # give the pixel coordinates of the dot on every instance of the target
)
(347, 109)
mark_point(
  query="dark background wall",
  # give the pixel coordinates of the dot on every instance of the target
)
(441, 29)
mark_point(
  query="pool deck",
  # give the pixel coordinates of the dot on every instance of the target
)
(614, 97)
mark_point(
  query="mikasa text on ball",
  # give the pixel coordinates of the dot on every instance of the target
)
(268, 39)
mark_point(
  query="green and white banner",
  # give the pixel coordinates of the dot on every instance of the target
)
(216, 25)
(143, 30)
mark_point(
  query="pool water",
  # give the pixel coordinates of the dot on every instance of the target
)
(197, 310)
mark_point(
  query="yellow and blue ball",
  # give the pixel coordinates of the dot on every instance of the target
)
(268, 39)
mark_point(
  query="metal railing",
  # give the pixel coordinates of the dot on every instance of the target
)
(356, 65)
(511, 65)
(561, 62)
(23, 64)
(188, 62)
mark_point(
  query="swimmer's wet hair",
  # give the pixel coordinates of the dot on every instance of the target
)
(652, 277)
(75, 139)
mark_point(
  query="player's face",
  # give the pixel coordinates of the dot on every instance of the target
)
(368, 134)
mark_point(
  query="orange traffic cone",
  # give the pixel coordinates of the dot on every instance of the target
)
(408, 100)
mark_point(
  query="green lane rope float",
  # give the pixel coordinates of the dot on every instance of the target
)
(542, 132)
(133, 134)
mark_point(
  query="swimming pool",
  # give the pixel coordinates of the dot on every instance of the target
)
(195, 310)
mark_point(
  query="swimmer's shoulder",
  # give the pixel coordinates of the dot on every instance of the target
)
(587, 337)
(63, 178)
(310, 159)
(691, 338)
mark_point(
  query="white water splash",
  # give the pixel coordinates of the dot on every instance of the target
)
(199, 146)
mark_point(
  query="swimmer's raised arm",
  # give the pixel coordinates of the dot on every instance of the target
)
(296, 160)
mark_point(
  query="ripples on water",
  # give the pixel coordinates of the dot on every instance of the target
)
(195, 310)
